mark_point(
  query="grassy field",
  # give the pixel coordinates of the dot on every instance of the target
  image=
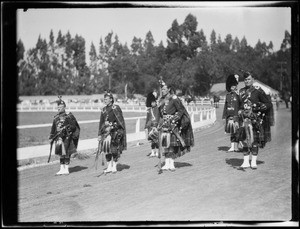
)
(40, 135)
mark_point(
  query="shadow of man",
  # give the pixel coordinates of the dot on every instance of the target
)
(181, 164)
(237, 162)
(121, 167)
(76, 169)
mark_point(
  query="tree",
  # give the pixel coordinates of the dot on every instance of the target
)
(244, 43)
(174, 40)
(236, 44)
(286, 43)
(78, 48)
(149, 44)
(93, 60)
(51, 39)
(228, 42)
(60, 40)
(213, 40)
(136, 46)
(20, 50)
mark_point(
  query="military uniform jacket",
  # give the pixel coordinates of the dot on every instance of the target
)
(256, 96)
(171, 105)
(70, 135)
(232, 105)
(113, 114)
(262, 104)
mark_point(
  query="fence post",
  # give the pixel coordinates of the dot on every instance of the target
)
(215, 115)
(201, 116)
(192, 117)
(137, 125)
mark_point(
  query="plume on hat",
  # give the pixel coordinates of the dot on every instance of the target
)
(150, 99)
(232, 80)
(59, 101)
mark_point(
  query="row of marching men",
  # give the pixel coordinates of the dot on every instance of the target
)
(168, 126)
(167, 120)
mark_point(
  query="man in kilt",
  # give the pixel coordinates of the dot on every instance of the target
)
(64, 134)
(112, 133)
(151, 124)
(175, 125)
(230, 111)
(254, 112)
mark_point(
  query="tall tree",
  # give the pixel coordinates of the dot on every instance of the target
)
(20, 50)
(174, 40)
(93, 60)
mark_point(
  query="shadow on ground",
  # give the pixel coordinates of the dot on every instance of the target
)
(120, 167)
(237, 162)
(181, 164)
(177, 164)
(76, 169)
(223, 148)
(226, 148)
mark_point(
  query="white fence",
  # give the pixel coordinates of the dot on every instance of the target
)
(199, 117)
(97, 107)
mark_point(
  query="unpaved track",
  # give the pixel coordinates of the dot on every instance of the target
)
(206, 186)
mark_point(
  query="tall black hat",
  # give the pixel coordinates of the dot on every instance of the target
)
(150, 99)
(232, 80)
(59, 101)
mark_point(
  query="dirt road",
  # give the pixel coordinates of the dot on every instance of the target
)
(206, 186)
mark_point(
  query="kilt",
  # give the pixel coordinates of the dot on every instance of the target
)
(70, 148)
(231, 125)
(169, 139)
(256, 134)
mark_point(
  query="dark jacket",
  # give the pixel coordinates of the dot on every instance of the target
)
(113, 113)
(69, 129)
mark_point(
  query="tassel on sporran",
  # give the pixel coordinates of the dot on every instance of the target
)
(165, 140)
(106, 144)
(230, 126)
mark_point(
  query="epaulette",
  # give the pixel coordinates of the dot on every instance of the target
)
(174, 97)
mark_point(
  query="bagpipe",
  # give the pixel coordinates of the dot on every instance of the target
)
(60, 136)
(110, 135)
(168, 126)
(252, 122)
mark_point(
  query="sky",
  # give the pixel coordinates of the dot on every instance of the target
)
(255, 23)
